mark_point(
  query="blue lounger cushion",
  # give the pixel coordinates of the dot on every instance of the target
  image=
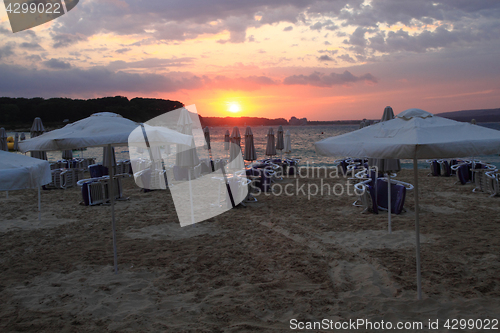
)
(463, 173)
(435, 168)
(398, 195)
(96, 170)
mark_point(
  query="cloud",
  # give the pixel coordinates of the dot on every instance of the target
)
(346, 58)
(123, 50)
(34, 58)
(56, 64)
(248, 83)
(289, 28)
(318, 79)
(410, 13)
(328, 24)
(65, 40)
(7, 50)
(4, 31)
(149, 63)
(325, 57)
(182, 20)
(32, 46)
(96, 81)
(99, 81)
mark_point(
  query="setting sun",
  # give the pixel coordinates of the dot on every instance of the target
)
(233, 107)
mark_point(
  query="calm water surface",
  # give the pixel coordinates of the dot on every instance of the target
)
(303, 138)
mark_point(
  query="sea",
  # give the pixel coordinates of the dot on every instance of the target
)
(302, 137)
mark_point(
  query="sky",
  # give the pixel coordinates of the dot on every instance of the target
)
(324, 60)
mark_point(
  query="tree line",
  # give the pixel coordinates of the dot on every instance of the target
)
(20, 112)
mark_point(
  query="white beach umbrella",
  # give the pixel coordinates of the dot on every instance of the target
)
(250, 153)
(103, 129)
(206, 134)
(227, 140)
(280, 144)
(108, 157)
(270, 147)
(414, 134)
(385, 165)
(235, 160)
(67, 154)
(288, 143)
(3, 140)
(152, 138)
(16, 141)
(37, 129)
(19, 172)
(186, 154)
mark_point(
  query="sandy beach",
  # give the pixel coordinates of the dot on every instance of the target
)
(250, 269)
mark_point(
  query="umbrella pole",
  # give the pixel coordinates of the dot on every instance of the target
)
(112, 198)
(389, 208)
(190, 195)
(39, 205)
(417, 228)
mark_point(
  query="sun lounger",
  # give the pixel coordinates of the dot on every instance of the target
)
(494, 183)
(374, 196)
(95, 191)
(435, 168)
(481, 180)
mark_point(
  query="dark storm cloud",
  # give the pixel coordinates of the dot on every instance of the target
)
(328, 80)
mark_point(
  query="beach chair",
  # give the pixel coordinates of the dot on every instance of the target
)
(367, 196)
(96, 170)
(462, 172)
(68, 178)
(95, 191)
(292, 167)
(206, 167)
(481, 180)
(494, 183)
(56, 179)
(398, 194)
(180, 173)
(264, 180)
(445, 168)
(435, 168)
(374, 195)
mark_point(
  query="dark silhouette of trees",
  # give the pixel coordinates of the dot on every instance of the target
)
(20, 112)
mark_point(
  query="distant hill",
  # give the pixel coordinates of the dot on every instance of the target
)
(481, 115)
